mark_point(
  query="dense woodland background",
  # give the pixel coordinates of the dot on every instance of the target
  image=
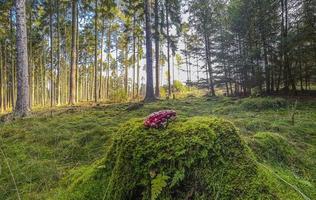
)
(94, 50)
(92, 70)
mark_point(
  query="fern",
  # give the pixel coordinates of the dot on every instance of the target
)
(178, 177)
(157, 185)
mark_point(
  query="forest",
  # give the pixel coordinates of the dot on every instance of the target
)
(157, 99)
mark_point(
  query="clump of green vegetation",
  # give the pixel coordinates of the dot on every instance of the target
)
(255, 125)
(273, 147)
(199, 158)
(258, 104)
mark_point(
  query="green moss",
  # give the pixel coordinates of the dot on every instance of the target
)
(258, 104)
(257, 125)
(202, 157)
(273, 147)
(46, 153)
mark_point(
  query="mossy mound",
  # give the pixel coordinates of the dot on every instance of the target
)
(259, 104)
(273, 147)
(197, 158)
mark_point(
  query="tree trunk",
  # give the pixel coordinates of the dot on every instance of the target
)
(77, 59)
(168, 48)
(1, 79)
(150, 96)
(58, 57)
(108, 61)
(22, 103)
(157, 51)
(96, 51)
(101, 64)
(51, 54)
(12, 78)
(134, 56)
(209, 65)
(138, 67)
(72, 86)
(126, 69)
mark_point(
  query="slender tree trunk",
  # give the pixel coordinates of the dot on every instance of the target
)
(22, 103)
(126, 69)
(30, 54)
(134, 56)
(138, 67)
(72, 86)
(12, 63)
(157, 51)
(150, 96)
(96, 51)
(209, 65)
(77, 58)
(109, 64)
(51, 54)
(1, 77)
(168, 48)
(44, 78)
(58, 57)
(101, 64)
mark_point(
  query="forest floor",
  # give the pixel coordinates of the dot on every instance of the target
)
(38, 152)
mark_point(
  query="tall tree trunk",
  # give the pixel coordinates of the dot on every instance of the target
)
(72, 86)
(138, 67)
(126, 69)
(58, 58)
(12, 62)
(168, 48)
(30, 54)
(44, 78)
(22, 103)
(267, 67)
(77, 58)
(108, 61)
(209, 65)
(96, 51)
(1, 77)
(150, 96)
(134, 56)
(157, 51)
(51, 54)
(101, 64)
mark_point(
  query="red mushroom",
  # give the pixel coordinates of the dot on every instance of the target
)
(160, 119)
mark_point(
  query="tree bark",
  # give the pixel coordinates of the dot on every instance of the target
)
(157, 51)
(96, 51)
(51, 54)
(101, 64)
(150, 96)
(168, 48)
(72, 86)
(58, 57)
(12, 78)
(22, 103)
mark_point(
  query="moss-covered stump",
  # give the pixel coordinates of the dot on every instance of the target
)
(196, 158)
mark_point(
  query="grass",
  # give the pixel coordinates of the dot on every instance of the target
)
(46, 152)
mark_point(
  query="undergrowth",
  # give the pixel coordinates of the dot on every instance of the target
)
(47, 152)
